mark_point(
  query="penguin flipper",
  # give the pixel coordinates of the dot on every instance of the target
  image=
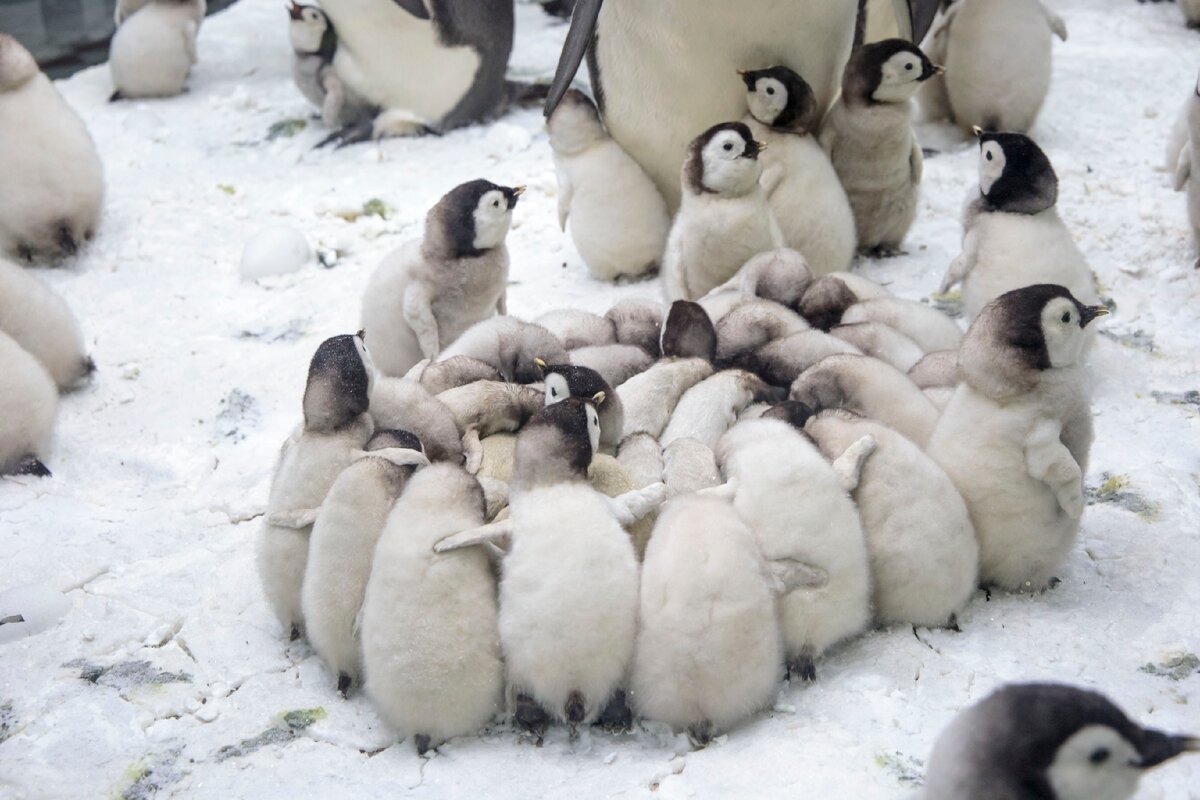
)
(916, 161)
(1183, 169)
(634, 505)
(1056, 22)
(495, 495)
(294, 520)
(579, 39)
(495, 533)
(1048, 460)
(788, 575)
(566, 191)
(849, 464)
(400, 456)
(417, 309)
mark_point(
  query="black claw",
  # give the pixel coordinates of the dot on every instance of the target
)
(295, 634)
(24, 252)
(616, 716)
(115, 96)
(952, 624)
(423, 742)
(575, 709)
(344, 681)
(350, 134)
(30, 465)
(803, 667)
(530, 716)
(89, 366)
(1053, 583)
(700, 734)
(66, 240)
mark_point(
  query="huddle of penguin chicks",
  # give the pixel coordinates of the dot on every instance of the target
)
(817, 442)
(154, 47)
(779, 178)
(41, 353)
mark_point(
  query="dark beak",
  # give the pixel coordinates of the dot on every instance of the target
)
(579, 38)
(930, 70)
(362, 334)
(749, 78)
(753, 148)
(295, 11)
(1157, 747)
(513, 194)
(1089, 313)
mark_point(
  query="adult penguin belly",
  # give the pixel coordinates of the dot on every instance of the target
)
(666, 70)
(395, 59)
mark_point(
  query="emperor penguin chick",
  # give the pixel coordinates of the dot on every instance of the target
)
(1024, 400)
(342, 547)
(809, 531)
(869, 138)
(724, 218)
(154, 47)
(426, 293)
(804, 191)
(430, 642)
(869, 387)
(649, 398)
(403, 404)
(28, 406)
(641, 456)
(936, 370)
(781, 276)
(616, 363)
(39, 320)
(1187, 173)
(689, 466)
(53, 183)
(602, 190)
(928, 327)
(881, 341)
(575, 329)
(1065, 743)
(484, 408)
(752, 325)
(452, 373)
(828, 297)
(568, 603)
(336, 426)
(638, 321)
(924, 557)
(565, 380)
(998, 62)
(510, 345)
(1014, 236)
(711, 407)
(709, 651)
(314, 45)
(780, 362)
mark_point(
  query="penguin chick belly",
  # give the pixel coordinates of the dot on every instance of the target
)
(397, 62)
(709, 647)
(714, 236)
(1017, 250)
(341, 549)
(618, 220)
(873, 158)
(472, 295)
(568, 598)
(1023, 533)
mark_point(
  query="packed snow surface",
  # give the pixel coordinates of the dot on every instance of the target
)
(165, 674)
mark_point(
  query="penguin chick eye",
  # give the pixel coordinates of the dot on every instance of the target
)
(728, 147)
(771, 91)
(1099, 756)
(908, 67)
(1066, 317)
(495, 204)
(988, 156)
(554, 392)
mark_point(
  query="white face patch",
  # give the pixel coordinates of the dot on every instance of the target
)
(1095, 764)
(991, 165)
(726, 171)
(768, 100)
(492, 219)
(593, 426)
(900, 78)
(368, 364)
(556, 389)
(306, 33)
(1060, 328)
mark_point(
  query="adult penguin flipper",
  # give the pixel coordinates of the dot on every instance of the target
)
(579, 38)
(921, 14)
(415, 7)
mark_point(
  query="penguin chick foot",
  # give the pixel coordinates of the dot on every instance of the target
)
(802, 666)
(30, 465)
(884, 251)
(929, 152)
(531, 717)
(952, 624)
(616, 716)
(344, 683)
(423, 743)
(700, 734)
(294, 634)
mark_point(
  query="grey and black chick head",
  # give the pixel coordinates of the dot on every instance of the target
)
(310, 31)
(1046, 742)
(825, 301)
(688, 332)
(568, 380)
(394, 438)
(557, 445)
(793, 412)
(1015, 175)
(1021, 334)
(17, 65)
(340, 377)
(890, 71)
(779, 98)
(470, 219)
(723, 160)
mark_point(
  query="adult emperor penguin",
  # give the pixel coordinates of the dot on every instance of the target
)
(679, 58)
(53, 182)
(429, 64)
(1046, 741)
(1024, 401)
(314, 45)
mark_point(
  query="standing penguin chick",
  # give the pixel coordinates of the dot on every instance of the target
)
(998, 62)
(426, 293)
(1014, 236)
(336, 426)
(1187, 174)
(430, 645)
(804, 191)
(53, 183)
(154, 48)
(924, 557)
(28, 406)
(709, 651)
(314, 45)
(568, 597)
(566, 380)
(808, 529)
(724, 219)
(602, 190)
(869, 138)
(40, 321)
(1024, 402)
(1049, 741)
(342, 547)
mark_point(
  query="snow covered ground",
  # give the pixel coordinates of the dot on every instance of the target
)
(167, 676)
